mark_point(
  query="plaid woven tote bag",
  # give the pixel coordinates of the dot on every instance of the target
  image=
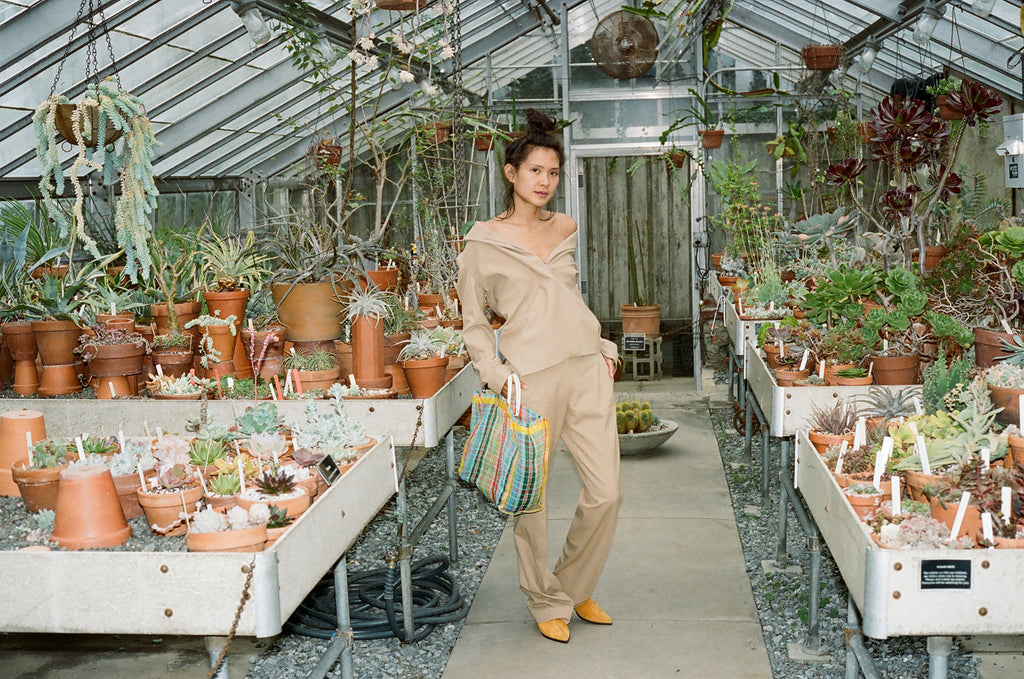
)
(506, 455)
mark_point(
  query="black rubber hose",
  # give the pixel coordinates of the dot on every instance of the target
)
(375, 603)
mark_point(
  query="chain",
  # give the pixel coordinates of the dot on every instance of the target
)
(91, 55)
(459, 159)
(238, 616)
(412, 443)
(67, 47)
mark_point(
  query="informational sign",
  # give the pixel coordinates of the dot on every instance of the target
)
(634, 341)
(328, 470)
(945, 574)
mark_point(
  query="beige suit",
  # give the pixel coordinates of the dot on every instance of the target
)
(552, 341)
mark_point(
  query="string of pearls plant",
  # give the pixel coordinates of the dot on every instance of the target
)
(104, 109)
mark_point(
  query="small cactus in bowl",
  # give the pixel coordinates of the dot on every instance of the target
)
(634, 417)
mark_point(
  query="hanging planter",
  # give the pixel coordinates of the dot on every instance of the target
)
(400, 5)
(104, 113)
(711, 139)
(821, 57)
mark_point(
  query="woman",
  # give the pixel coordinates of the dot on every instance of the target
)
(520, 264)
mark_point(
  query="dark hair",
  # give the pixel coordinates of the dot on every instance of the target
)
(540, 133)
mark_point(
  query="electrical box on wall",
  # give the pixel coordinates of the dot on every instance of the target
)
(1012, 150)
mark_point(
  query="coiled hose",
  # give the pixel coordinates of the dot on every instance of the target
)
(375, 602)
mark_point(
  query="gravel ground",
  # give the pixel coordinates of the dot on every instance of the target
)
(782, 600)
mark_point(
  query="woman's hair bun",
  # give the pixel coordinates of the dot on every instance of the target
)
(539, 122)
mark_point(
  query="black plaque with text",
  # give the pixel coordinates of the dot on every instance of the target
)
(945, 574)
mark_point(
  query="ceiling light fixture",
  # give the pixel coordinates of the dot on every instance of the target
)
(867, 57)
(257, 26)
(926, 23)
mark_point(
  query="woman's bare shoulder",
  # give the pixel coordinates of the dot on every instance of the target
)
(566, 224)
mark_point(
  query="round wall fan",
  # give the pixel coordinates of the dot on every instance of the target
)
(624, 44)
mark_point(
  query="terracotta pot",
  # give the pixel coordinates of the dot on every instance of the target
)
(187, 311)
(13, 426)
(971, 524)
(38, 487)
(399, 384)
(110, 360)
(894, 369)
(716, 260)
(785, 377)
(56, 341)
(232, 303)
(393, 345)
(221, 501)
(173, 363)
(1003, 543)
(316, 379)
(711, 139)
(311, 311)
(1007, 399)
(455, 365)
(771, 354)
(865, 506)
(821, 57)
(6, 364)
(343, 350)
(933, 254)
(987, 346)
(425, 376)
(177, 397)
(273, 534)
(251, 539)
(223, 342)
(915, 481)
(832, 368)
(429, 303)
(367, 349)
(822, 441)
(20, 340)
(88, 513)
(641, 319)
(162, 509)
(127, 487)
(292, 506)
(119, 320)
(483, 141)
(114, 386)
(385, 279)
(727, 281)
(1015, 455)
(258, 342)
(946, 112)
(852, 381)
(455, 323)
(865, 131)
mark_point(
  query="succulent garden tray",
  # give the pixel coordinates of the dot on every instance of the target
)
(895, 590)
(787, 408)
(741, 332)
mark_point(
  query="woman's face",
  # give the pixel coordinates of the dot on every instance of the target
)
(535, 181)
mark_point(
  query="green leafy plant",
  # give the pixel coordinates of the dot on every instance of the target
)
(940, 380)
(231, 262)
(205, 451)
(259, 419)
(279, 518)
(422, 344)
(50, 453)
(318, 359)
(837, 418)
(225, 484)
(275, 482)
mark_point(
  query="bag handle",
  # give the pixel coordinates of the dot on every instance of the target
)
(515, 398)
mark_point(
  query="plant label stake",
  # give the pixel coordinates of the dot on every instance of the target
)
(881, 459)
(120, 438)
(1004, 494)
(913, 428)
(839, 461)
(288, 382)
(28, 442)
(986, 457)
(803, 361)
(241, 475)
(1020, 411)
(159, 434)
(202, 481)
(895, 480)
(277, 385)
(142, 477)
(860, 434)
(885, 345)
(961, 510)
(159, 370)
(821, 369)
(250, 326)
(231, 382)
(917, 406)
(351, 380)
(986, 529)
(113, 309)
(81, 450)
(394, 464)
(871, 366)
(771, 306)
(922, 452)
(184, 508)
(298, 384)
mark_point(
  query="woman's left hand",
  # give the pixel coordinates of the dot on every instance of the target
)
(611, 366)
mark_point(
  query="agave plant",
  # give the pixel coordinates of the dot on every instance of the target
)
(423, 344)
(880, 402)
(837, 419)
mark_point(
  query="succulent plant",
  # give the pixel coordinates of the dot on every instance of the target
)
(100, 446)
(50, 453)
(888, 405)
(422, 344)
(174, 476)
(171, 449)
(206, 451)
(279, 518)
(634, 417)
(208, 521)
(127, 462)
(837, 419)
(225, 484)
(320, 359)
(267, 445)
(275, 482)
(262, 418)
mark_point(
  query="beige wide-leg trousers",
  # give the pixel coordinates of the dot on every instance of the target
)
(576, 397)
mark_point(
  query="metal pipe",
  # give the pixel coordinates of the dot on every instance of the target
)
(853, 626)
(812, 643)
(748, 435)
(781, 556)
(341, 643)
(939, 649)
(855, 642)
(214, 647)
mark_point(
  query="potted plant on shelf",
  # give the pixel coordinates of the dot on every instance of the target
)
(424, 361)
(831, 425)
(368, 310)
(698, 113)
(38, 475)
(92, 125)
(277, 524)
(330, 432)
(185, 387)
(789, 368)
(643, 315)
(865, 499)
(115, 360)
(223, 489)
(129, 468)
(313, 370)
(277, 487)
(174, 493)
(237, 529)
(216, 342)
(173, 278)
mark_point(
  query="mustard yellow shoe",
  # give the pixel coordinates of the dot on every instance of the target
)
(592, 613)
(556, 630)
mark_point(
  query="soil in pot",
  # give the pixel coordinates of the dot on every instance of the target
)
(88, 513)
(293, 503)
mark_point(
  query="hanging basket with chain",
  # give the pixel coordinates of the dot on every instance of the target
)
(109, 129)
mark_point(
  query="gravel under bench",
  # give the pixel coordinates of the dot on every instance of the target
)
(782, 600)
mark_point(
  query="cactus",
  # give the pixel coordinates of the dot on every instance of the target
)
(646, 420)
(620, 421)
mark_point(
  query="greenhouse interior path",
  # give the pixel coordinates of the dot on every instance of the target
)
(675, 584)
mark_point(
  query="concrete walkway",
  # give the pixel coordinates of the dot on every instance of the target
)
(675, 583)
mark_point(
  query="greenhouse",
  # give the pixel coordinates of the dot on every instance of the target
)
(386, 338)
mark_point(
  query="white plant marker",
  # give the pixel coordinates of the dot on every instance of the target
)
(142, 477)
(273, 393)
(241, 476)
(821, 369)
(120, 438)
(885, 345)
(1020, 411)
(961, 510)
(351, 380)
(803, 361)
(922, 452)
(1005, 508)
(796, 466)
(112, 388)
(81, 450)
(986, 458)
(202, 481)
(394, 464)
(913, 428)
(28, 442)
(917, 406)
(287, 381)
(159, 434)
(881, 459)
(860, 433)
(250, 326)
(839, 460)
(871, 366)
(184, 509)
(771, 306)
(895, 480)
(231, 382)
(986, 528)
(739, 306)
(159, 370)
(113, 309)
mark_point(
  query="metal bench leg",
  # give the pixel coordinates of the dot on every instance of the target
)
(732, 375)
(453, 536)
(341, 644)
(939, 649)
(214, 646)
(781, 554)
(853, 626)
(748, 435)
